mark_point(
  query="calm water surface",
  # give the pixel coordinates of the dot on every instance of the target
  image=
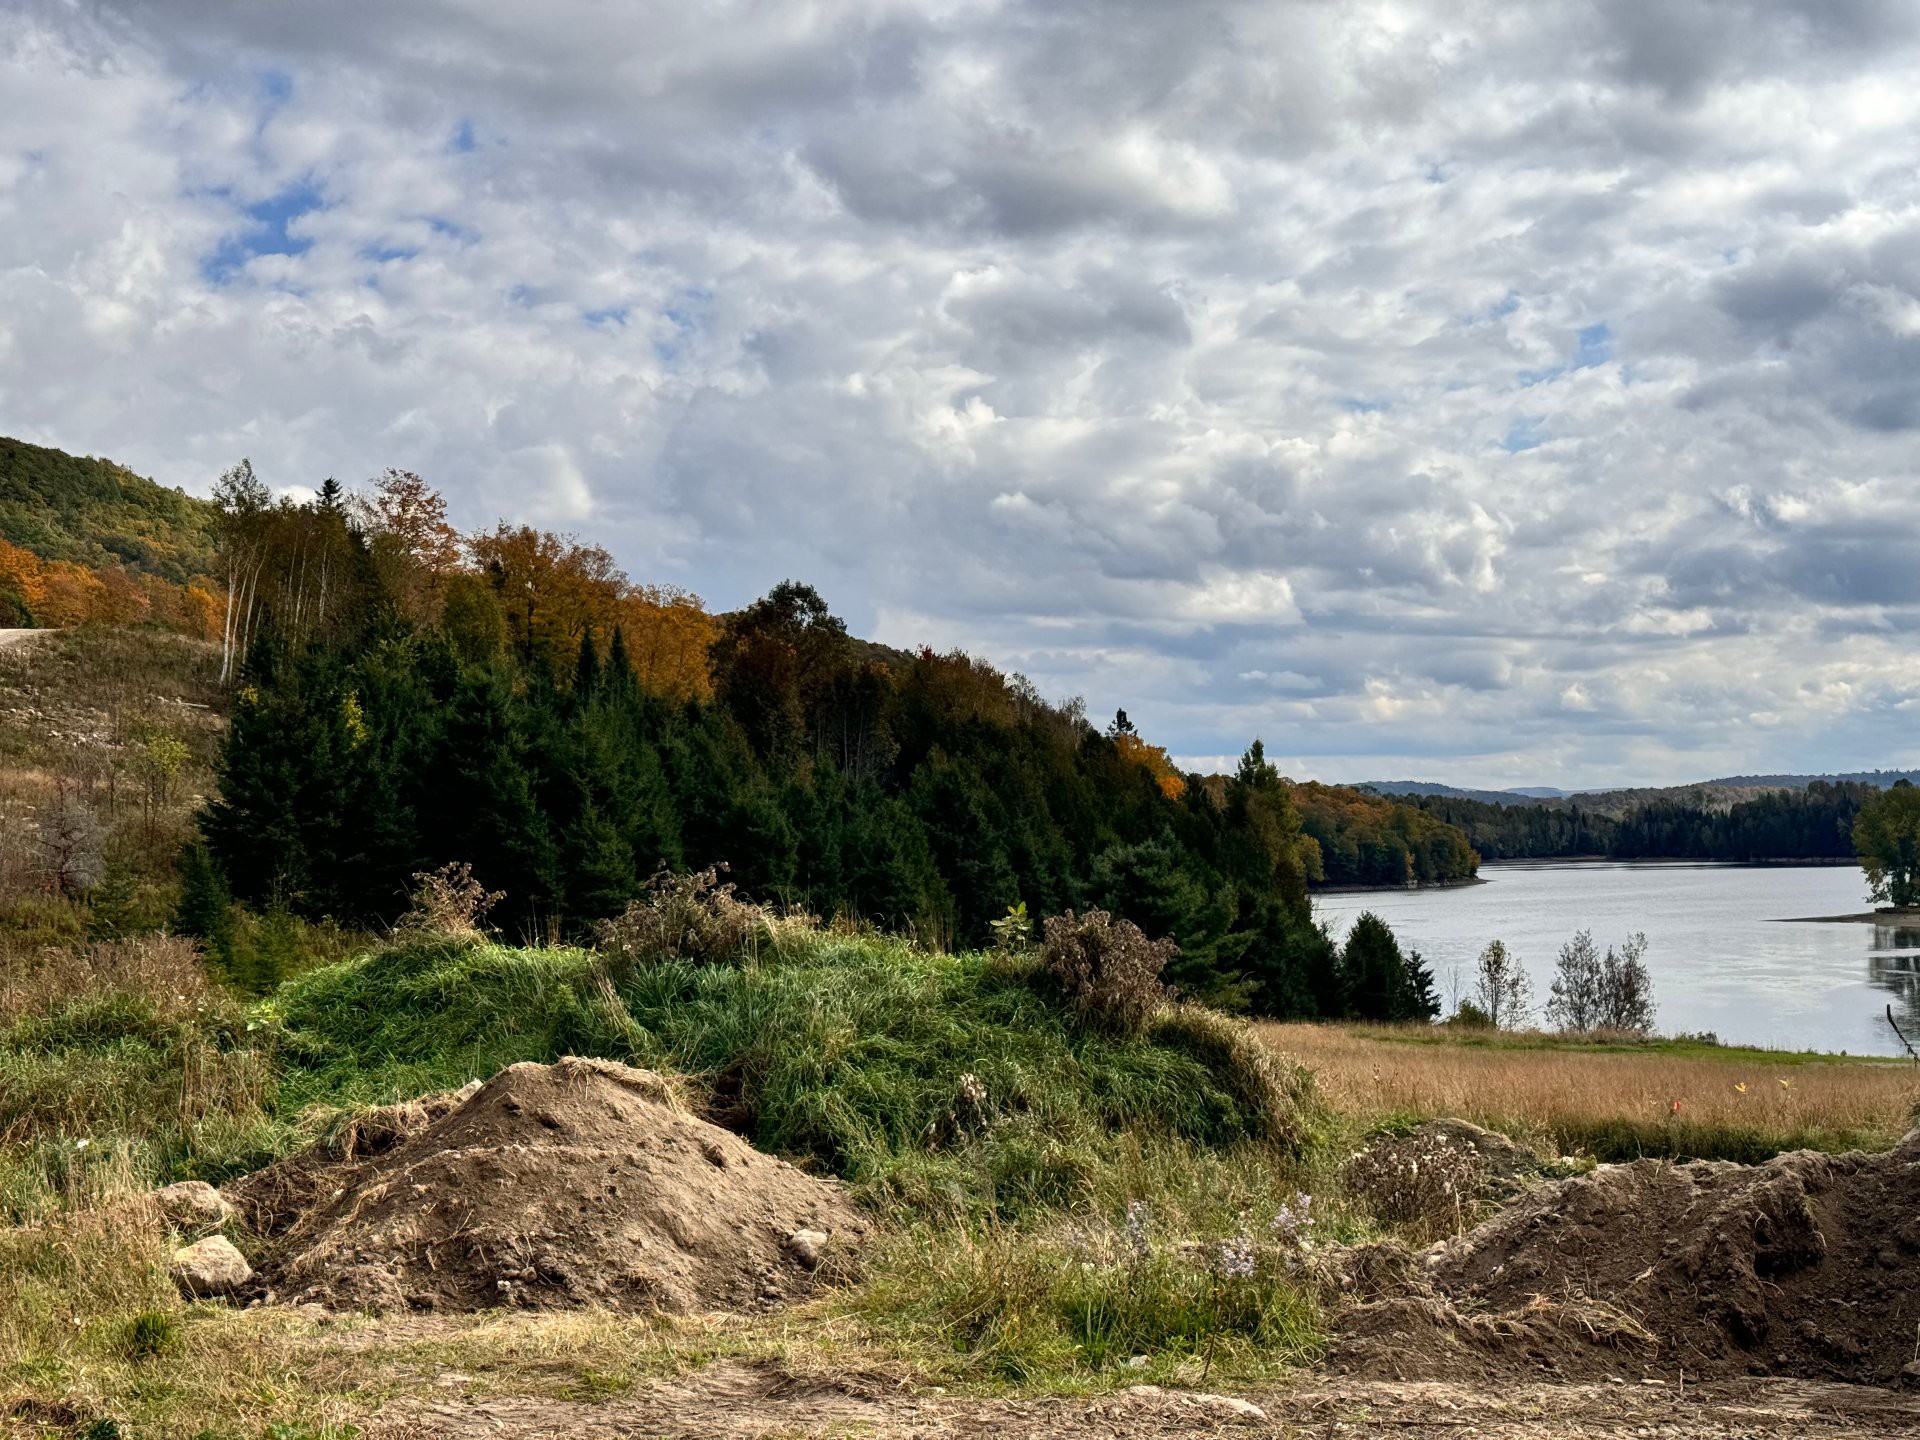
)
(1721, 959)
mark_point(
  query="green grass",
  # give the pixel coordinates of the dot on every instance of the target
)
(847, 1052)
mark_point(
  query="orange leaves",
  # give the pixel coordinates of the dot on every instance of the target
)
(413, 545)
(554, 590)
(58, 593)
(668, 632)
(1154, 760)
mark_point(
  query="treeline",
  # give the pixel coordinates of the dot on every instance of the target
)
(408, 697)
(1366, 839)
(84, 540)
(1811, 824)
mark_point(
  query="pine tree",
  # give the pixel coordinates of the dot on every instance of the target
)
(620, 678)
(586, 669)
(205, 910)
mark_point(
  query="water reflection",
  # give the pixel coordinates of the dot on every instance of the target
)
(1893, 965)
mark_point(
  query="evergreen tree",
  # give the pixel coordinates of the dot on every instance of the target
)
(1380, 982)
(586, 669)
(205, 909)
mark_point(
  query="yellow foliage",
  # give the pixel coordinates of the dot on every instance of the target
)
(1153, 759)
(668, 632)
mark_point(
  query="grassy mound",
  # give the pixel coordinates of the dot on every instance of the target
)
(934, 1080)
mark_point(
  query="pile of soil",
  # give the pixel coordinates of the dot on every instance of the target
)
(1808, 1265)
(579, 1183)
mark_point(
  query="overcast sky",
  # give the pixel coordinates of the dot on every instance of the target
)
(1509, 394)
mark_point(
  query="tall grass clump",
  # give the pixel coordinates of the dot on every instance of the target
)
(149, 1075)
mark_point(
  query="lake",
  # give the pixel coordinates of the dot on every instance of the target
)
(1721, 960)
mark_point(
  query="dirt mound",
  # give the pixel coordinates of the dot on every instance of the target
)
(1808, 1265)
(580, 1183)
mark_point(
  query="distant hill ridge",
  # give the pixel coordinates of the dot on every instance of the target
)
(96, 513)
(1726, 790)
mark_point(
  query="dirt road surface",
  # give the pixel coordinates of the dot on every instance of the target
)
(729, 1400)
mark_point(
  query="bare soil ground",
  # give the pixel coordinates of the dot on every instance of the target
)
(729, 1399)
(1702, 1299)
(1807, 1266)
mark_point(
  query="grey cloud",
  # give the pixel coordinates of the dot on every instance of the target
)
(1164, 352)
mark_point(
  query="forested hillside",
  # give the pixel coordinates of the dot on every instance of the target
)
(1369, 840)
(409, 698)
(84, 539)
(402, 696)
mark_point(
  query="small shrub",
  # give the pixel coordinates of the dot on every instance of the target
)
(449, 902)
(1013, 931)
(1471, 1017)
(691, 917)
(1425, 1182)
(1107, 969)
(1592, 992)
(1502, 991)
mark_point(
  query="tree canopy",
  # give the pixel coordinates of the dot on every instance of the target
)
(1886, 835)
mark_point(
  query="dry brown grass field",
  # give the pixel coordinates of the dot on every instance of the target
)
(1615, 1100)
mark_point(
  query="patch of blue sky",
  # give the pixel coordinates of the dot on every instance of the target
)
(385, 254)
(462, 142)
(269, 233)
(684, 316)
(1526, 432)
(1499, 310)
(452, 229)
(1595, 347)
(1354, 405)
(610, 317)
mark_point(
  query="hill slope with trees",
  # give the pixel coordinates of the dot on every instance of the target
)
(401, 696)
(84, 539)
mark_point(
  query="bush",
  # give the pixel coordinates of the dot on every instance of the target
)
(1592, 992)
(449, 902)
(1108, 971)
(691, 917)
(1425, 1182)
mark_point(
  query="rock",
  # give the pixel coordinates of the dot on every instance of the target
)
(193, 1207)
(1145, 1392)
(210, 1267)
(1229, 1404)
(806, 1247)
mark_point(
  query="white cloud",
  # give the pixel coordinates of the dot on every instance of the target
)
(1239, 364)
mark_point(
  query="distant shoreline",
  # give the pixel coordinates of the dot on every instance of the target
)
(1394, 889)
(1864, 917)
